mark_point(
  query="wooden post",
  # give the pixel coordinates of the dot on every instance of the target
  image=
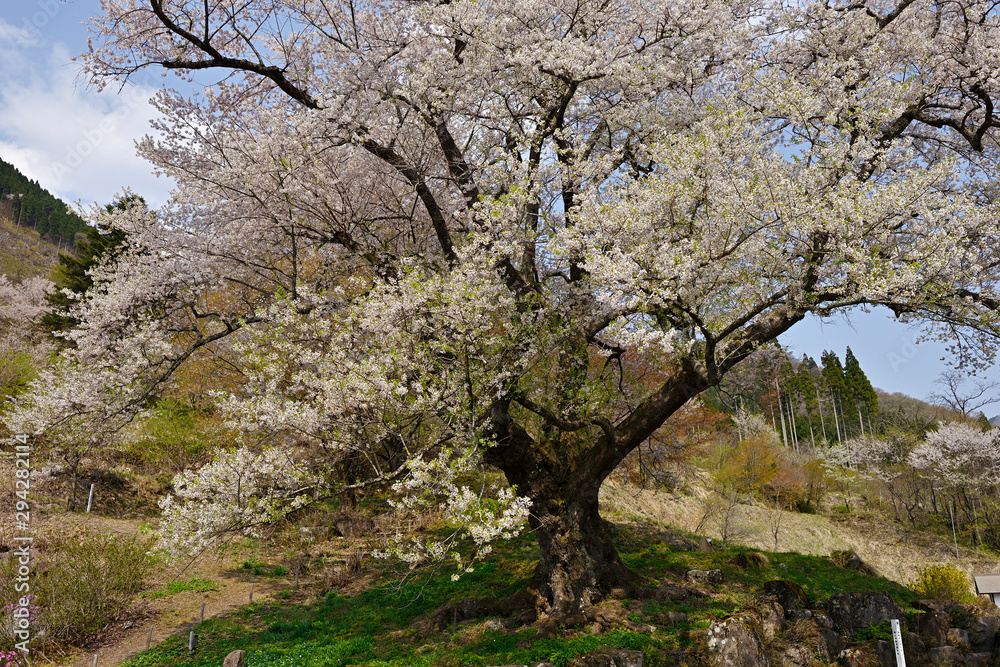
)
(95, 660)
(202, 618)
(251, 592)
(149, 638)
(90, 499)
(191, 642)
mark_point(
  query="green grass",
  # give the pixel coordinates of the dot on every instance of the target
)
(264, 570)
(382, 627)
(174, 587)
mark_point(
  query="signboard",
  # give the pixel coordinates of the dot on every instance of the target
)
(897, 641)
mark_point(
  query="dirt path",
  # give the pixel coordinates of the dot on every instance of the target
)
(179, 614)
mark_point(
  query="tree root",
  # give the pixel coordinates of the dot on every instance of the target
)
(519, 607)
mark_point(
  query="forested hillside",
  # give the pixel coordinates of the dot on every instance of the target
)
(30, 205)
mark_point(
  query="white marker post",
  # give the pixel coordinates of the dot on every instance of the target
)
(90, 499)
(897, 640)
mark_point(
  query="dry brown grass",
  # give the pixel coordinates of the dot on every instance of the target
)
(896, 553)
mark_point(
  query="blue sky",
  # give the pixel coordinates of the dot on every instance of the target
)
(76, 142)
(79, 144)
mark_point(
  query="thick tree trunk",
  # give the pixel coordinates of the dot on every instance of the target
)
(578, 564)
(562, 472)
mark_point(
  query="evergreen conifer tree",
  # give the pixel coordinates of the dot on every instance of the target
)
(858, 388)
(71, 273)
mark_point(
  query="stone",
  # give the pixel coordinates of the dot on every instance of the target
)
(945, 655)
(851, 612)
(750, 560)
(886, 653)
(235, 659)
(734, 643)
(788, 593)
(704, 577)
(796, 655)
(798, 615)
(672, 593)
(493, 624)
(958, 637)
(914, 648)
(831, 643)
(610, 658)
(672, 617)
(977, 659)
(853, 657)
(854, 562)
(932, 626)
(983, 634)
(772, 617)
(822, 620)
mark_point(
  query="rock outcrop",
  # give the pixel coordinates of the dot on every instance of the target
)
(851, 612)
(735, 643)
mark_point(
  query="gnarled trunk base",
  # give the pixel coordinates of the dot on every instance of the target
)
(578, 564)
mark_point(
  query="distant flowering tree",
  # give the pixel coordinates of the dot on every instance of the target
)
(959, 456)
(433, 234)
(22, 346)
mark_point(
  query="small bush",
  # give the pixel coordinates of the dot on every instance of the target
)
(79, 585)
(943, 582)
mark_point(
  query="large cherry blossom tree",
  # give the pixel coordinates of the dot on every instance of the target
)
(435, 234)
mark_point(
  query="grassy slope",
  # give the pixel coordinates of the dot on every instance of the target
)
(893, 549)
(389, 625)
(23, 253)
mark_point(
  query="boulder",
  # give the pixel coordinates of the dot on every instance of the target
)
(772, 617)
(671, 617)
(751, 560)
(932, 626)
(852, 561)
(788, 594)
(235, 659)
(945, 655)
(851, 612)
(735, 643)
(610, 658)
(797, 655)
(886, 653)
(822, 620)
(854, 657)
(977, 659)
(914, 648)
(704, 577)
(798, 615)
(958, 637)
(983, 633)
(831, 643)
(673, 593)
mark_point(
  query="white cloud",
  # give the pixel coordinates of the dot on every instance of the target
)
(75, 141)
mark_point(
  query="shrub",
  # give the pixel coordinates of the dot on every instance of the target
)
(79, 586)
(943, 582)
